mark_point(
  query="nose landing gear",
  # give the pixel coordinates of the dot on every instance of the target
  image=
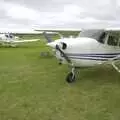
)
(71, 76)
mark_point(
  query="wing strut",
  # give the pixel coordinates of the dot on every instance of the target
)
(114, 65)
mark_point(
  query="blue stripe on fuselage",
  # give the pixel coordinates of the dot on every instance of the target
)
(93, 54)
(89, 58)
(112, 55)
(98, 56)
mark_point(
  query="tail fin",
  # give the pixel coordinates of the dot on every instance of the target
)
(47, 37)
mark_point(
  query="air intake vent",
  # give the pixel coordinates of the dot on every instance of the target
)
(64, 45)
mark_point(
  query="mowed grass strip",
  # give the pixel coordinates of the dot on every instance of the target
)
(34, 88)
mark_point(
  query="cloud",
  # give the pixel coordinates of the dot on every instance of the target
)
(16, 11)
(59, 13)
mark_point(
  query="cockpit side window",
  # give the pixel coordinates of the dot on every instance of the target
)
(113, 40)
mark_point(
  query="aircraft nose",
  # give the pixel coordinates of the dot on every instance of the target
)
(51, 44)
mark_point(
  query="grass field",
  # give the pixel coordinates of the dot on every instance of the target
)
(34, 88)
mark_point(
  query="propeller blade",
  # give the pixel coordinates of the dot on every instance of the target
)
(64, 55)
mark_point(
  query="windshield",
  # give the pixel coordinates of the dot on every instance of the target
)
(95, 34)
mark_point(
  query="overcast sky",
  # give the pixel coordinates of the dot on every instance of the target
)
(59, 13)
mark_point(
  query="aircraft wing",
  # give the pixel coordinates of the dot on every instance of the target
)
(57, 29)
(22, 41)
(61, 32)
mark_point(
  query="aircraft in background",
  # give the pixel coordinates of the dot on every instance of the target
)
(11, 40)
(91, 48)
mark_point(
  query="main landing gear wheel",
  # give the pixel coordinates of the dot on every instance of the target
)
(70, 77)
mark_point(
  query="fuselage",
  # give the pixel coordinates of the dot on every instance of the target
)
(85, 52)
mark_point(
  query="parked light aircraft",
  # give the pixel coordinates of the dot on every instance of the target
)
(91, 48)
(11, 40)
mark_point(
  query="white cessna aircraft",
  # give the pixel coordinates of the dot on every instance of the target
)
(91, 48)
(11, 40)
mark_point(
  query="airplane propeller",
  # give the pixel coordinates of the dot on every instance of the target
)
(63, 54)
(62, 46)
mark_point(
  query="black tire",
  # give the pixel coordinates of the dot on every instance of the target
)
(70, 78)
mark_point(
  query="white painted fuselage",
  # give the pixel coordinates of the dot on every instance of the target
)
(13, 41)
(85, 52)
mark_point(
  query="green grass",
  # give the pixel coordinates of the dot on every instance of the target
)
(34, 88)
